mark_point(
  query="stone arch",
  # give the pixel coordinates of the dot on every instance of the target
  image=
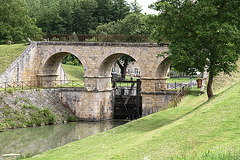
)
(107, 63)
(163, 68)
(51, 72)
(52, 64)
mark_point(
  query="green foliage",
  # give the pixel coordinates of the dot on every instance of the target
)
(1, 127)
(50, 117)
(10, 90)
(16, 100)
(71, 60)
(72, 118)
(135, 7)
(14, 23)
(79, 16)
(42, 116)
(132, 24)
(202, 34)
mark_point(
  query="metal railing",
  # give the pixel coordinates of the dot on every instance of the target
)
(99, 38)
(20, 85)
(184, 91)
(172, 86)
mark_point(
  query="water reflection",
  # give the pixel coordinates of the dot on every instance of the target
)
(39, 139)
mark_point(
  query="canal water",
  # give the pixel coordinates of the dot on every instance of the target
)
(36, 140)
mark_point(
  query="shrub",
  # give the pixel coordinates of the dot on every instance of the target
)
(72, 118)
(36, 118)
(1, 127)
(16, 100)
(50, 117)
(10, 90)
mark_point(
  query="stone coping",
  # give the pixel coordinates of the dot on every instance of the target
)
(152, 78)
(161, 92)
(78, 89)
(103, 44)
(97, 76)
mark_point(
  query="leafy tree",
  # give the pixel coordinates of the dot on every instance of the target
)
(71, 59)
(66, 12)
(132, 24)
(47, 14)
(202, 34)
(14, 23)
(121, 9)
(104, 11)
(83, 19)
(123, 62)
(135, 7)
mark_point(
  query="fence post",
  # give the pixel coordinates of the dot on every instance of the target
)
(175, 85)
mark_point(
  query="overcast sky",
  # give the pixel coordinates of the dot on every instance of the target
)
(145, 4)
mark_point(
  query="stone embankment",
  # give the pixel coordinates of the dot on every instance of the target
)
(31, 108)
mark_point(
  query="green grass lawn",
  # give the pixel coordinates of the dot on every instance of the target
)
(9, 53)
(198, 128)
(74, 72)
(180, 80)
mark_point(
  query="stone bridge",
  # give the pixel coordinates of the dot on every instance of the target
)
(41, 62)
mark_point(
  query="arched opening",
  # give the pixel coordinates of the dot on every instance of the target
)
(126, 88)
(122, 65)
(161, 74)
(163, 68)
(62, 69)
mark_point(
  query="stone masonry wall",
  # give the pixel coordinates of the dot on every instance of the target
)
(23, 68)
(155, 101)
(89, 106)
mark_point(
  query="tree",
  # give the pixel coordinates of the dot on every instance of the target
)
(135, 7)
(15, 24)
(121, 9)
(83, 19)
(104, 11)
(123, 62)
(202, 34)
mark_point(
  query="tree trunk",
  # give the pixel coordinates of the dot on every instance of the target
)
(209, 86)
(123, 68)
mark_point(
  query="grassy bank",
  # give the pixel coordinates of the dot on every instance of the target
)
(195, 129)
(20, 109)
(74, 72)
(9, 53)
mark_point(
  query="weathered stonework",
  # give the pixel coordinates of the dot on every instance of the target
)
(93, 106)
(155, 101)
(41, 62)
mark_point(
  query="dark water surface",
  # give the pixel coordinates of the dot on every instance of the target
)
(36, 140)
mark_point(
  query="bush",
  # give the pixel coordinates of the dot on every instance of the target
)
(50, 117)
(10, 90)
(36, 118)
(1, 127)
(72, 119)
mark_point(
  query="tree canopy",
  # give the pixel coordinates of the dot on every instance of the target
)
(79, 16)
(203, 34)
(15, 24)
